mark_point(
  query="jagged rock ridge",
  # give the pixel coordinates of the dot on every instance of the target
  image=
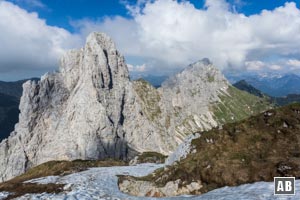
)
(89, 109)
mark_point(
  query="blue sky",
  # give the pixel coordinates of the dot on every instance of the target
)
(62, 12)
(156, 36)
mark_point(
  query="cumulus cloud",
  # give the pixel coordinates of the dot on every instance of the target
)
(174, 34)
(275, 67)
(137, 68)
(255, 65)
(27, 42)
(161, 35)
(263, 66)
(294, 63)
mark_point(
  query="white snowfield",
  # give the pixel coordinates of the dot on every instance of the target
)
(101, 183)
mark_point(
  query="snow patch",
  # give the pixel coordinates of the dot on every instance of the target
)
(101, 183)
(182, 150)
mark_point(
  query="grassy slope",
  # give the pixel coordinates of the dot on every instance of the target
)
(255, 149)
(235, 105)
(238, 105)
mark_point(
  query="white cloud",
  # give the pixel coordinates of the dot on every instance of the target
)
(275, 67)
(27, 42)
(174, 34)
(163, 34)
(294, 63)
(255, 65)
(123, 32)
(260, 66)
(137, 68)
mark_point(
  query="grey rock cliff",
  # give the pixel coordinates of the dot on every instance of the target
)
(89, 109)
(75, 113)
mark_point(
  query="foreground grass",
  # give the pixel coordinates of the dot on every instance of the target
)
(18, 188)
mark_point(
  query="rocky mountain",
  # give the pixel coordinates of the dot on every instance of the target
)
(243, 85)
(256, 149)
(89, 109)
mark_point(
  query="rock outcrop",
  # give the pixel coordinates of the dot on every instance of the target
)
(148, 189)
(89, 109)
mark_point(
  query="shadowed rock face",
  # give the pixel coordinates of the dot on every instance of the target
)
(89, 109)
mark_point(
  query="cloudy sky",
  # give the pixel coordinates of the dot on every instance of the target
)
(156, 36)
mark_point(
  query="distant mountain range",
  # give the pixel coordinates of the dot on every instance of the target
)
(155, 81)
(10, 93)
(9, 113)
(243, 85)
(13, 88)
(272, 85)
(279, 101)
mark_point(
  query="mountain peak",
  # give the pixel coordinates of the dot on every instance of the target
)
(205, 61)
(96, 40)
(198, 73)
(203, 64)
(89, 109)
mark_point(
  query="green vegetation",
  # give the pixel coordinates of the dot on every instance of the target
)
(17, 187)
(238, 105)
(210, 78)
(244, 86)
(151, 157)
(150, 98)
(255, 149)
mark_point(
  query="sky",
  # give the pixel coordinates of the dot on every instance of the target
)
(156, 37)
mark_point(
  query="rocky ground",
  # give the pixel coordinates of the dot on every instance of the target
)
(101, 183)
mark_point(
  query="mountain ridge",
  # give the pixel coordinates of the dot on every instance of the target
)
(89, 109)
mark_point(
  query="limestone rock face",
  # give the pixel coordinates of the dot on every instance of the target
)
(75, 113)
(188, 98)
(89, 109)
